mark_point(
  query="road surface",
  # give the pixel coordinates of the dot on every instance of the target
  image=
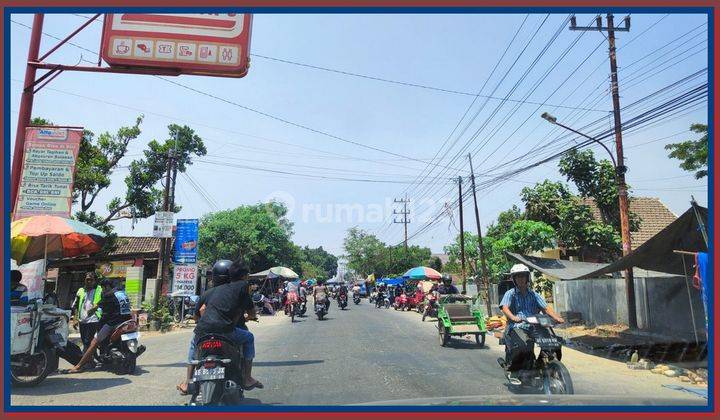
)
(360, 355)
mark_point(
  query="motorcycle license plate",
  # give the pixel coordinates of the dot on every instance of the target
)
(209, 374)
(130, 336)
(548, 342)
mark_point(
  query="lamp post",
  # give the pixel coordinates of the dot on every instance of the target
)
(623, 203)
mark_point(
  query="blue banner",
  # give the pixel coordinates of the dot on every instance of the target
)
(186, 241)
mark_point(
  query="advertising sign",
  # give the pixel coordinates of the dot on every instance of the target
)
(193, 43)
(113, 269)
(133, 285)
(184, 279)
(186, 241)
(48, 169)
(163, 224)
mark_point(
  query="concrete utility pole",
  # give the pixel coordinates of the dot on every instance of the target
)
(163, 263)
(404, 220)
(483, 265)
(620, 167)
(462, 238)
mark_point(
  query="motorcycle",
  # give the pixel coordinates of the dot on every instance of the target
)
(373, 296)
(263, 305)
(38, 340)
(342, 301)
(431, 307)
(415, 301)
(356, 298)
(382, 301)
(217, 379)
(121, 350)
(400, 302)
(302, 306)
(545, 372)
(321, 309)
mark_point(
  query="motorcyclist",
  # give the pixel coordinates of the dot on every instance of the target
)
(291, 295)
(115, 306)
(356, 290)
(342, 290)
(302, 292)
(446, 287)
(224, 310)
(517, 304)
(321, 294)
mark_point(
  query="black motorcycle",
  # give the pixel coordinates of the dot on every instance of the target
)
(544, 372)
(382, 300)
(217, 379)
(342, 301)
(120, 351)
(321, 309)
(356, 299)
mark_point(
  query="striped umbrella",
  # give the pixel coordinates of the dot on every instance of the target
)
(43, 237)
(422, 273)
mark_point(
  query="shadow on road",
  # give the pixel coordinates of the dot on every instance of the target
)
(288, 363)
(70, 384)
(457, 343)
(167, 365)
(255, 401)
(523, 390)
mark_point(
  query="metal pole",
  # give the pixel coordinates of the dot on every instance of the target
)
(620, 169)
(486, 282)
(462, 238)
(26, 104)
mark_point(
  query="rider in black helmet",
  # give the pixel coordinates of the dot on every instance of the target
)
(447, 288)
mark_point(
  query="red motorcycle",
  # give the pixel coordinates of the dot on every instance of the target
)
(400, 302)
(431, 307)
(416, 301)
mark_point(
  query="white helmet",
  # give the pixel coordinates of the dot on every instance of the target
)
(518, 269)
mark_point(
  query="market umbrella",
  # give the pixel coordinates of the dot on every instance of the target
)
(42, 237)
(283, 272)
(422, 273)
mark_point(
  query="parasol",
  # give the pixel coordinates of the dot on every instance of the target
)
(42, 237)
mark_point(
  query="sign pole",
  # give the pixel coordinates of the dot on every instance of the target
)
(26, 104)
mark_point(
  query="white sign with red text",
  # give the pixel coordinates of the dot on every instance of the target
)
(184, 279)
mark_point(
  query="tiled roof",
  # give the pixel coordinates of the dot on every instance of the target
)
(654, 217)
(127, 245)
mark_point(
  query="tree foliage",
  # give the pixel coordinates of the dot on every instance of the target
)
(317, 263)
(366, 254)
(693, 154)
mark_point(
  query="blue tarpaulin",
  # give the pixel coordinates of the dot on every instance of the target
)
(392, 282)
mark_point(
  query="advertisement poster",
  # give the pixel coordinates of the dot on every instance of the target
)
(46, 178)
(133, 285)
(184, 280)
(186, 241)
(113, 269)
(163, 224)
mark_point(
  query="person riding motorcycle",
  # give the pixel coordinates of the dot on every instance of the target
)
(223, 309)
(446, 287)
(321, 294)
(342, 290)
(517, 304)
(290, 295)
(356, 290)
(115, 307)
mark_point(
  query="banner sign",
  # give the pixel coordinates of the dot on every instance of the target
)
(163, 224)
(184, 280)
(48, 170)
(114, 269)
(133, 285)
(186, 241)
(192, 43)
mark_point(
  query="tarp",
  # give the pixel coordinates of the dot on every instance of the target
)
(656, 254)
(393, 282)
(260, 275)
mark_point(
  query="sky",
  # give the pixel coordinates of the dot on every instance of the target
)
(410, 133)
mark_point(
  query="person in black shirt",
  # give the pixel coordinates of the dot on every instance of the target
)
(115, 307)
(223, 310)
(447, 288)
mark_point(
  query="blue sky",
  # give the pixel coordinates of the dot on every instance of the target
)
(449, 51)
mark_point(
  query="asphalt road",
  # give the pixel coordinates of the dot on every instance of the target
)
(358, 355)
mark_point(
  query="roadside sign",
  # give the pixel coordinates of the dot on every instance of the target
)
(48, 171)
(163, 224)
(184, 279)
(186, 241)
(194, 43)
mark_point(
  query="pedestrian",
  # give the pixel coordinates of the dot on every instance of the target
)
(86, 297)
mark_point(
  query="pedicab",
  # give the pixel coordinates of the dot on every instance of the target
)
(459, 315)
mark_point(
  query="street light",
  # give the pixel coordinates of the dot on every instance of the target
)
(624, 206)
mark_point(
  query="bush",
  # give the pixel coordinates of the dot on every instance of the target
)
(160, 313)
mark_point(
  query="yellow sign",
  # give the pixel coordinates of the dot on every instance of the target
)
(114, 268)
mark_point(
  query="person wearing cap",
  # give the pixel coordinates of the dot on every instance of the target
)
(518, 304)
(18, 291)
(85, 299)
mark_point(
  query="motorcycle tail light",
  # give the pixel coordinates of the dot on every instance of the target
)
(209, 365)
(211, 344)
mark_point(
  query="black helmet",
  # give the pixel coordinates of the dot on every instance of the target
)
(446, 279)
(221, 272)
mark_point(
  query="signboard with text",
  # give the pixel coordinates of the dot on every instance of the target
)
(193, 43)
(163, 224)
(186, 241)
(184, 279)
(46, 178)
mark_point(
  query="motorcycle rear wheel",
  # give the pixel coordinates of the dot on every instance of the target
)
(556, 379)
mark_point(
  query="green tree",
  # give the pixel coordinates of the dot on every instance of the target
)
(435, 263)
(692, 153)
(366, 254)
(319, 259)
(258, 235)
(504, 221)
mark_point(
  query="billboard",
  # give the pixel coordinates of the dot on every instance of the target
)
(186, 241)
(163, 224)
(184, 279)
(48, 171)
(193, 43)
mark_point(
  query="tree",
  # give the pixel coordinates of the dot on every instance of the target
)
(258, 235)
(504, 221)
(322, 262)
(692, 153)
(435, 263)
(366, 254)
(544, 200)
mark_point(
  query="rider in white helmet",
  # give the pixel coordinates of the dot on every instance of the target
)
(517, 304)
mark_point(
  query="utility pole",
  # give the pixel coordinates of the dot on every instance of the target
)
(163, 263)
(462, 238)
(620, 168)
(483, 265)
(404, 220)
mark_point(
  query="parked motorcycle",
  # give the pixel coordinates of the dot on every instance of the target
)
(121, 350)
(217, 379)
(431, 307)
(545, 372)
(400, 303)
(382, 300)
(342, 301)
(321, 309)
(415, 301)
